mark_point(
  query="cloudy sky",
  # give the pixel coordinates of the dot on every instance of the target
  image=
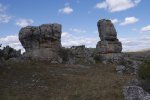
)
(79, 20)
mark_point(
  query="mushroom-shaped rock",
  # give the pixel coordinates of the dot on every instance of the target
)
(41, 42)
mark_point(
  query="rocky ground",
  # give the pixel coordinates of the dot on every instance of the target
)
(139, 88)
(45, 81)
(82, 75)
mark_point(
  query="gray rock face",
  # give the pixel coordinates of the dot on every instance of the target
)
(111, 58)
(42, 42)
(108, 35)
(135, 93)
(83, 54)
(120, 69)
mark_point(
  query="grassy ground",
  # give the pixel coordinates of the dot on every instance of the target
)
(45, 81)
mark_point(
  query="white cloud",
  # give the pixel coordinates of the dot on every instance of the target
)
(114, 21)
(4, 18)
(69, 40)
(12, 41)
(24, 22)
(129, 44)
(129, 20)
(146, 28)
(2, 8)
(136, 43)
(119, 5)
(66, 10)
(101, 5)
(76, 30)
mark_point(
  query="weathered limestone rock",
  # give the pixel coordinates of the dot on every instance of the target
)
(120, 69)
(108, 35)
(83, 54)
(42, 42)
(115, 58)
(134, 91)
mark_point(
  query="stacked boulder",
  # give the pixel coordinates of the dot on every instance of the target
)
(108, 35)
(42, 42)
(109, 48)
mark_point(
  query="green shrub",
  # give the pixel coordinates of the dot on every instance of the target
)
(144, 71)
(98, 58)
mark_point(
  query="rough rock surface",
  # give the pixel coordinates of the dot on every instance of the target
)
(42, 42)
(131, 65)
(108, 35)
(83, 54)
(134, 91)
(120, 69)
(111, 58)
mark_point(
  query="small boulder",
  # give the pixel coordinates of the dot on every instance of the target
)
(135, 93)
(120, 69)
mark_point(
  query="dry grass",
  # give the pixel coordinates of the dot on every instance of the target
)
(44, 81)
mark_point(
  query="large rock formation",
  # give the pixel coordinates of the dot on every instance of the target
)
(108, 35)
(42, 42)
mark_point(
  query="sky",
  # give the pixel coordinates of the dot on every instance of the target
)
(79, 20)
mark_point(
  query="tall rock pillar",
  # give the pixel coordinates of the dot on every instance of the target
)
(108, 35)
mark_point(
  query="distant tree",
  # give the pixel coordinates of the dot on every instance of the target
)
(1, 52)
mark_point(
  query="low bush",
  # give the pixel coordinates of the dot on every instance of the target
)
(144, 75)
(98, 58)
(144, 71)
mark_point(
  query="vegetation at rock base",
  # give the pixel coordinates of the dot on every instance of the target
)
(144, 71)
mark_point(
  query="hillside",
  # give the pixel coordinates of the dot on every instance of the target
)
(45, 81)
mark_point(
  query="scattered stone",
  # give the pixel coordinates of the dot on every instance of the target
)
(120, 69)
(134, 82)
(111, 58)
(132, 66)
(135, 93)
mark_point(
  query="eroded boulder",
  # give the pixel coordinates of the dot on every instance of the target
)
(41, 42)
